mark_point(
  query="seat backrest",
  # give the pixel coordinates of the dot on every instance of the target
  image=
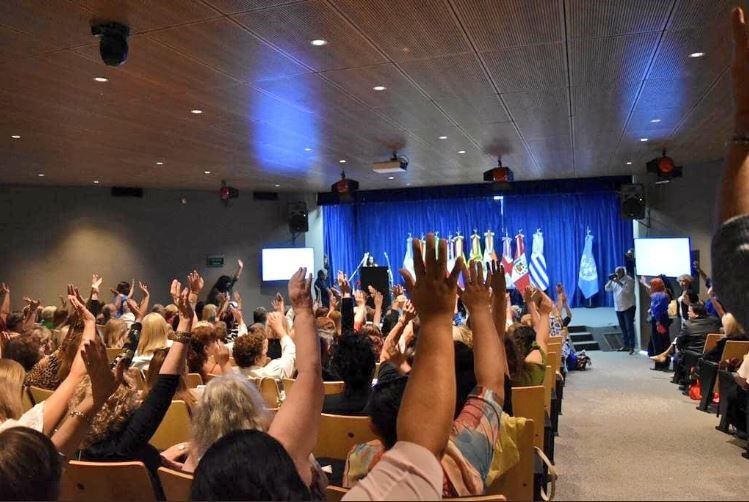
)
(339, 433)
(112, 353)
(517, 483)
(176, 484)
(549, 382)
(528, 402)
(734, 349)
(28, 402)
(554, 359)
(38, 394)
(334, 493)
(111, 481)
(333, 387)
(175, 428)
(193, 380)
(268, 388)
(288, 383)
(711, 341)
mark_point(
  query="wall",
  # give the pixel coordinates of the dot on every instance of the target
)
(53, 236)
(683, 208)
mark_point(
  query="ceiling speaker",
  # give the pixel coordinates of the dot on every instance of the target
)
(297, 216)
(632, 200)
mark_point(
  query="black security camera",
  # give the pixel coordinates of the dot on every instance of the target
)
(112, 43)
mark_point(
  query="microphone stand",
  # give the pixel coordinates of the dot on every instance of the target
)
(390, 271)
(351, 277)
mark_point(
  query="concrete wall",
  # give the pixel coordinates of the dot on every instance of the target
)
(52, 236)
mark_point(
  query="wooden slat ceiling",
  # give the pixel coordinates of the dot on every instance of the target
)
(557, 88)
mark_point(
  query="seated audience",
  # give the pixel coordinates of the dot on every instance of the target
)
(250, 352)
(207, 355)
(54, 368)
(24, 349)
(182, 393)
(154, 335)
(692, 336)
(114, 333)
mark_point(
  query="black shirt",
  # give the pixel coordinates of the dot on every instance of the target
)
(347, 403)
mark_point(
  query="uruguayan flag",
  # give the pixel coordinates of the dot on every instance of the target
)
(588, 278)
(539, 277)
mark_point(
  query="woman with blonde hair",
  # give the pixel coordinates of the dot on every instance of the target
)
(12, 375)
(114, 333)
(183, 393)
(153, 336)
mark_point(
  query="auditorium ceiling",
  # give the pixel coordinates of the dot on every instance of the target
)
(557, 88)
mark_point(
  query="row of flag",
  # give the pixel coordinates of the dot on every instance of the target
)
(521, 272)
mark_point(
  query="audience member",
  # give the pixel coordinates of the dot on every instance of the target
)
(251, 352)
(353, 361)
(659, 321)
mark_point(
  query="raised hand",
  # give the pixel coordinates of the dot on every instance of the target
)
(377, 296)
(409, 312)
(397, 290)
(238, 299)
(278, 303)
(103, 381)
(73, 291)
(63, 302)
(4, 289)
(96, 281)
(343, 284)
(277, 324)
(740, 72)
(184, 306)
(132, 289)
(496, 279)
(135, 309)
(240, 264)
(144, 288)
(300, 290)
(221, 355)
(222, 298)
(476, 294)
(77, 304)
(31, 303)
(174, 290)
(359, 297)
(195, 282)
(546, 306)
(433, 290)
(333, 299)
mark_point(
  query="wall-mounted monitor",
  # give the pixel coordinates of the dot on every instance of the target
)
(667, 256)
(279, 264)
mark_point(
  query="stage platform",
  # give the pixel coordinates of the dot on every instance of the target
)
(595, 329)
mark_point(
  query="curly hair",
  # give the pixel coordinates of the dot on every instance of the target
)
(112, 417)
(203, 335)
(524, 336)
(25, 350)
(229, 402)
(67, 352)
(353, 360)
(247, 348)
(375, 336)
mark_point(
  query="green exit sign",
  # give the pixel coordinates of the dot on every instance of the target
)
(215, 261)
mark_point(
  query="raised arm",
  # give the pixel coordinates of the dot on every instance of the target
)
(489, 363)
(390, 344)
(5, 305)
(297, 422)
(378, 299)
(645, 283)
(499, 308)
(30, 313)
(426, 412)
(347, 304)
(360, 311)
(143, 305)
(56, 405)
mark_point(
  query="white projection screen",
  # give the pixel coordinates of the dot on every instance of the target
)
(279, 264)
(667, 256)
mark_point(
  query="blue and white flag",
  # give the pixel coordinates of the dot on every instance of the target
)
(588, 278)
(539, 277)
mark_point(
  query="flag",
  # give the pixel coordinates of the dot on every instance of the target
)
(539, 278)
(507, 260)
(408, 259)
(588, 278)
(520, 276)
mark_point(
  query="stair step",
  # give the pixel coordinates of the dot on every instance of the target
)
(587, 346)
(581, 337)
(576, 329)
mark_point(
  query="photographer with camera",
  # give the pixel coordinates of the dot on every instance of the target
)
(623, 288)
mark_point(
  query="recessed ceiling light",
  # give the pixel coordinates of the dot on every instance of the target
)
(196, 111)
(15, 136)
(41, 175)
(318, 42)
(643, 139)
(96, 182)
(342, 161)
(629, 162)
(655, 121)
(308, 149)
(159, 163)
(101, 79)
(379, 88)
(461, 152)
(206, 172)
(391, 177)
(276, 186)
(443, 137)
(696, 54)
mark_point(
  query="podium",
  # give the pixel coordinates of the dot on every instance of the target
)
(377, 277)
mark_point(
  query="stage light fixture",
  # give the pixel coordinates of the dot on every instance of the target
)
(500, 176)
(227, 192)
(345, 188)
(664, 167)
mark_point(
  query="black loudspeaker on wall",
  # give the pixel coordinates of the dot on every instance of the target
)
(632, 199)
(297, 215)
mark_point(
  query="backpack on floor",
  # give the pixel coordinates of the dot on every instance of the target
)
(578, 362)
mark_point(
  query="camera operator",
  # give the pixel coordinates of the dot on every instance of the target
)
(622, 286)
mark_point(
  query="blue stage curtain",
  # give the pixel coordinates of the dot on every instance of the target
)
(382, 227)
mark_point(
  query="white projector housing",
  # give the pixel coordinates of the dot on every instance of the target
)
(390, 166)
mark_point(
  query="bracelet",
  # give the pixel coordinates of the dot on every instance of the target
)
(81, 415)
(182, 337)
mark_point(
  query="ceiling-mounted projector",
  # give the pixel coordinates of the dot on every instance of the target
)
(499, 174)
(396, 164)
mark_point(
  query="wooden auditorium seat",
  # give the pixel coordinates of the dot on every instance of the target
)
(38, 394)
(268, 388)
(734, 349)
(711, 341)
(28, 402)
(528, 402)
(339, 433)
(335, 387)
(112, 354)
(110, 481)
(193, 380)
(176, 484)
(175, 428)
(517, 483)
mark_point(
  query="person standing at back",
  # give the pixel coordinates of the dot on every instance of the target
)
(623, 288)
